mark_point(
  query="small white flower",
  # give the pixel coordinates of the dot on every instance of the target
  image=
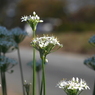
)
(46, 60)
(41, 20)
(77, 79)
(24, 18)
(34, 13)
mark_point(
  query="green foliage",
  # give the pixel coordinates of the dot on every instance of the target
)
(78, 27)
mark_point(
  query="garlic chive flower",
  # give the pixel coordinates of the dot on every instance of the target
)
(45, 44)
(38, 64)
(32, 20)
(90, 62)
(18, 34)
(74, 86)
(7, 44)
(4, 32)
(92, 40)
(7, 63)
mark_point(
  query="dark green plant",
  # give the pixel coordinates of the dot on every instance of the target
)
(90, 62)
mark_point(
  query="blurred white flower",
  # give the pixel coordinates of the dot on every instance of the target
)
(24, 18)
(73, 86)
(28, 29)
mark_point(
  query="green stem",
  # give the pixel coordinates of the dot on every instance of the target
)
(38, 75)
(94, 89)
(27, 92)
(34, 70)
(34, 73)
(21, 71)
(3, 80)
(43, 75)
(41, 87)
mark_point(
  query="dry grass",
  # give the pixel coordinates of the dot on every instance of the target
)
(73, 42)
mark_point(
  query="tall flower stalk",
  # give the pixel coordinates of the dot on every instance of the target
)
(38, 69)
(19, 35)
(43, 75)
(45, 45)
(33, 21)
(5, 64)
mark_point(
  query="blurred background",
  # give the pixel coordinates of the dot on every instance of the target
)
(73, 21)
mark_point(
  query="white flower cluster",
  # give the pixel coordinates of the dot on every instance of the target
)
(73, 84)
(35, 18)
(45, 41)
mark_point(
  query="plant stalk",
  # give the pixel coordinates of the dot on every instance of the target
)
(94, 88)
(21, 71)
(3, 79)
(3, 82)
(34, 69)
(38, 75)
(43, 75)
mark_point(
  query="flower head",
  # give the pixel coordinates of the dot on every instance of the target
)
(18, 34)
(6, 63)
(73, 86)
(7, 44)
(38, 64)
(45, 44)
(90, 62)
(92, 40)
(32, 20)
(4, 32)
